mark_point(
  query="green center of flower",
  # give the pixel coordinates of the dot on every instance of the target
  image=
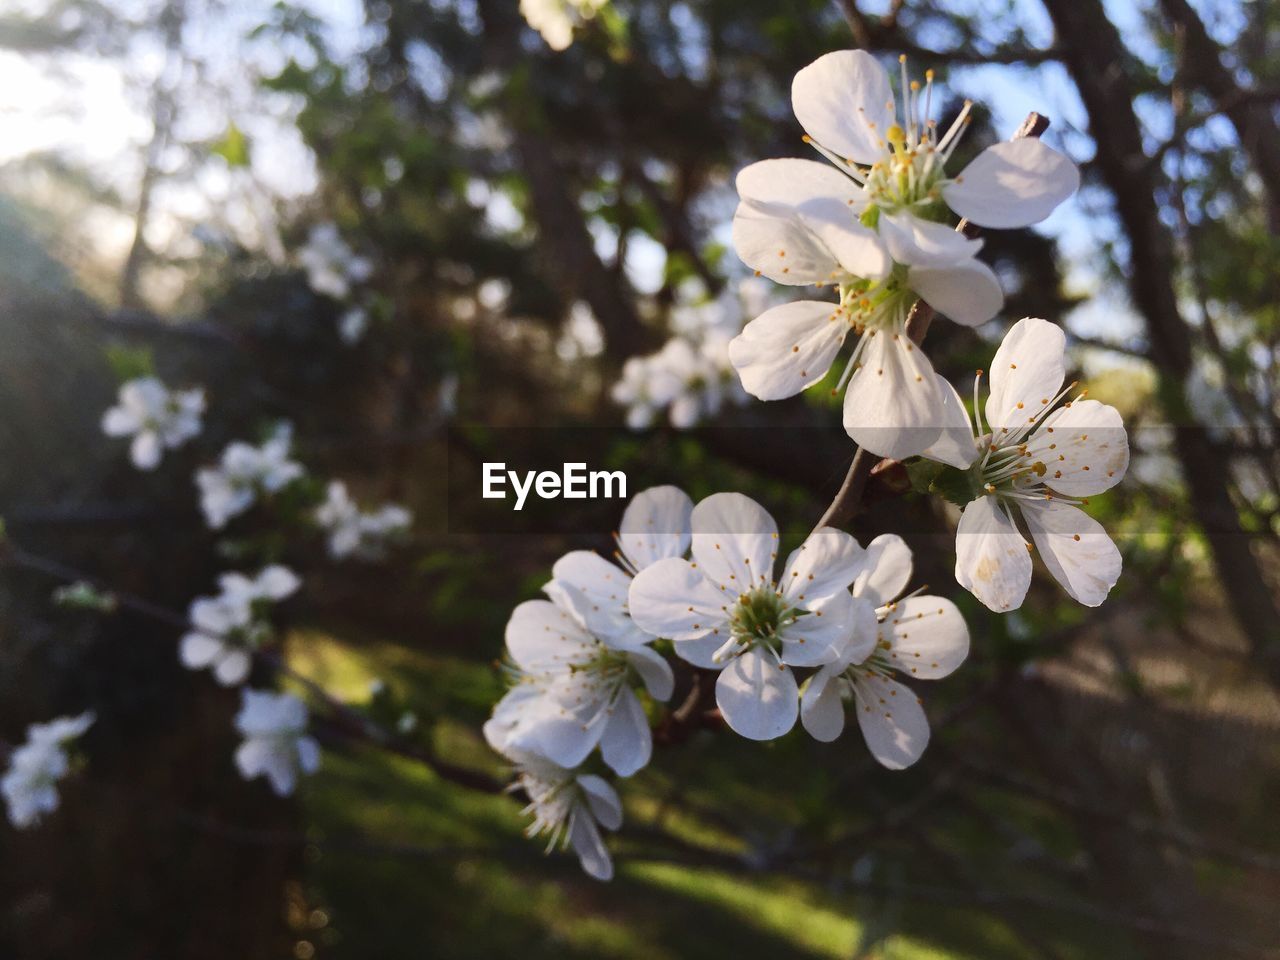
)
(877, 304)
(759, 617)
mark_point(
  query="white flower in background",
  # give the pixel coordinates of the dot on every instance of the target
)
(556, 19)
(919, 637)
(570, 807)
(725, 611)
(867, 226)
(332, 266)
(156, 417)
(244, 473)
(352, 325)
(691, 377)
(276, 745)
(30, 785)
(1035, 461)
(230, 626)
(359, 533)
(576, 655)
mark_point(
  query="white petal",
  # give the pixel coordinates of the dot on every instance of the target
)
(928, 638)
(859, 639)
(923, 243)
(757, 696)
(584, 836)
(701, 652)
(561, 735)
(892, 406)
(825, 563)
(955, 445)
(602, 800)
(1075, 548)
(120, 422)
(145, 450)
(655, 526)
(967, 292)
(654, 671)
(277, 582)
(1084, 448)
(541, 636)
(821, 707)
(626, 743)
(198, 650)
(992, 561)
(734, 542)
(308, 755)
(843, 100)
(794, 183)
(1012, 184)
(892, 721)
(788, 348)
(884, 571)
(1028, 369)
(233, 667)
(596, 590)
(774, 242)
(672, 598)
(816, 637)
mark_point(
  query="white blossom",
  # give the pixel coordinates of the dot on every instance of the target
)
(575, 656)
(569, 807)
(243, 474)
(1033, 461)
(229, 627)
(725, 611)
(276, 745)
(919, 637)
(332, 266)
(352, 324)
(867, 227)
(556, 19)
(156, 417)
(30, 785)
(356, 532)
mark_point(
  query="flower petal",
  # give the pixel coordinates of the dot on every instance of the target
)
(603, 583)
(955, 445)
(927, 637)
(843, 100)
(277, 582)
(120, 422)
(825, 563)
(1012, 184)
(884, 571)
(774, 242)
(818, 636)
(198, 650)
(787, 348)
(233, 667)
(793, 183)
(1026, 374)
(892, 406)
(1075, 548)
(892, 720)
(654, 671)
(584, 837)
(758, 696)
(822, 708)
(145, 450)
(734, 542)
(655, 526)
(671, 598)
(992, 561)
(1084, 448)
(626, 743)
(916, 242)
(602, 800)
(542, 636)
(967, 292)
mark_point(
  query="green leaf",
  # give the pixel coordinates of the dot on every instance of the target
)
(233, 147)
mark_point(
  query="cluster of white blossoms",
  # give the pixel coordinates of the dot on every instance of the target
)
(30, 785)
(226, 629)
(156, 417)
(334, 270)
(244, 473)
(832, 630)
(578, 656)
(276, 744)
(690, 377)
(557, 19)
(353, 532)
(873, 226)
